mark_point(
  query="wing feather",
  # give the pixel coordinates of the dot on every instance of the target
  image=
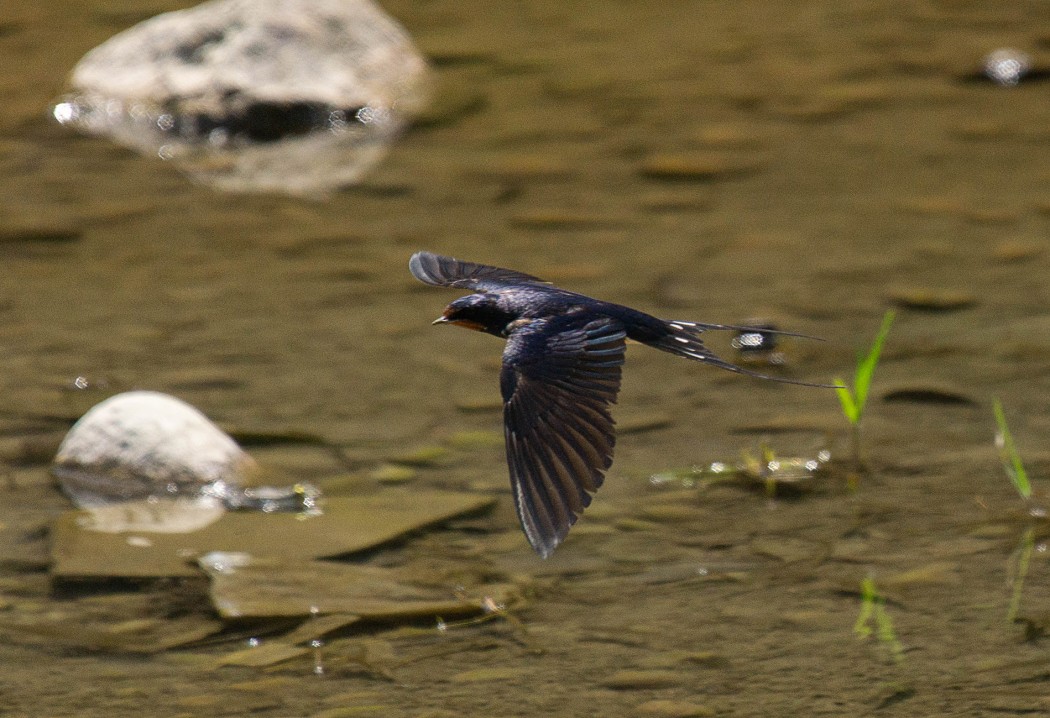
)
(560, 376)
(440, 271)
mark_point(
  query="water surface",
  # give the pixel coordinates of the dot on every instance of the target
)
(812, 164)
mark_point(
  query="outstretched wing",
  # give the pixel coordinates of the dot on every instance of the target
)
(560, 375)
(448, 272)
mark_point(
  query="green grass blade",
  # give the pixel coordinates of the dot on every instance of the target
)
(1008, 454)
(849, 406)
(868, 595)
(1024, 558)
(866, 366)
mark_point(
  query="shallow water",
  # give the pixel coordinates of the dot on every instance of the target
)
(813, 164)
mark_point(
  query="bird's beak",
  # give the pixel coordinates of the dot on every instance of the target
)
(439, 320)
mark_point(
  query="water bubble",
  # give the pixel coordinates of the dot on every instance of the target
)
(225, 562)
(317, 644)
(1007, 66)
(66, 112)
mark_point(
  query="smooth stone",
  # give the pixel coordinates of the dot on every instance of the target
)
(142, 444)
(298, 96)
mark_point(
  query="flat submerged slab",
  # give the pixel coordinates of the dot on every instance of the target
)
(346, 525)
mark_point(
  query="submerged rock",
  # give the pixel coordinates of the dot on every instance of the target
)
(81, 547)
(300, 96)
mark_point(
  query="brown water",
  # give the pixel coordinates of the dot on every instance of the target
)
(812, 163)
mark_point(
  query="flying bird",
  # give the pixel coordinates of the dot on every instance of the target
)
(560, 375)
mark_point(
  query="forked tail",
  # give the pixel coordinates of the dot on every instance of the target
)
(684, 340)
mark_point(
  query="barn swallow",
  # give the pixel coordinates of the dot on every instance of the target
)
(560, 375)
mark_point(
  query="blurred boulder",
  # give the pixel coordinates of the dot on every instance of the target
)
(296, 96)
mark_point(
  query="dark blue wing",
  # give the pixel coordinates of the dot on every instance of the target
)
(560, 375)
(448, 272)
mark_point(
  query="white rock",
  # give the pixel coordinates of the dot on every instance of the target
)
(143, 445)
(301, 96)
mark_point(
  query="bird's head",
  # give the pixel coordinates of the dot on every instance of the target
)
(479, 312)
